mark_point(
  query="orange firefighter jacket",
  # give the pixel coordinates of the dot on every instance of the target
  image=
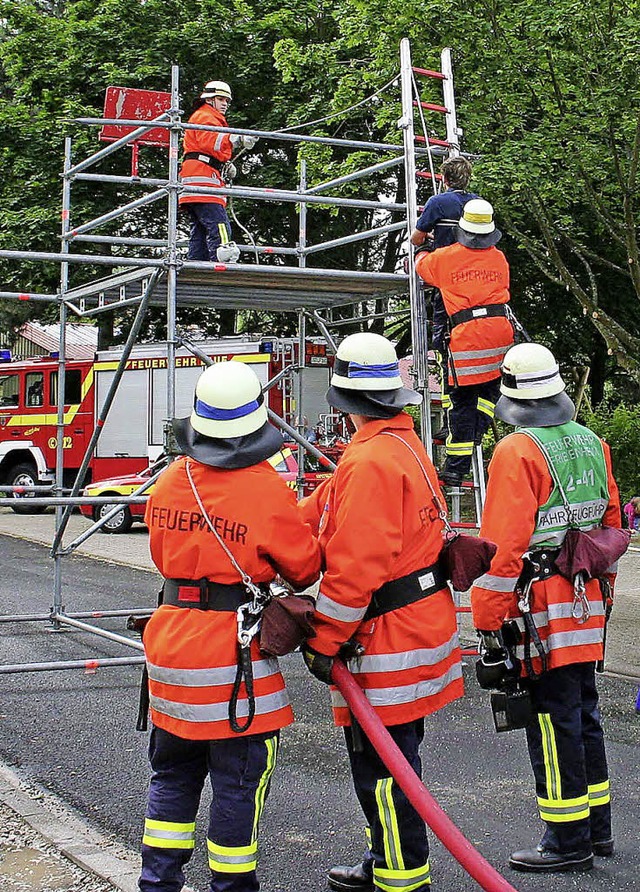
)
(192, 654)
(198, 173)
(377, 522)
(519, 483)
(468, 279)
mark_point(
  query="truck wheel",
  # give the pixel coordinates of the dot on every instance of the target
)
(23, 475)
(119, 523)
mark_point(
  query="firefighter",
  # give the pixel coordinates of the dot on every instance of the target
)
(384, 592)
(436, 228)
(550, 474)
(191, 641)
(473, 276)
(207, 156)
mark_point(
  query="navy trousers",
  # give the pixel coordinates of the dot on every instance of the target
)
(472, 408)
(398, 855)
(210, 228)
(240, 770)
(567, 752)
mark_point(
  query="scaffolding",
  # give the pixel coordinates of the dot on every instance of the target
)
(170, 281)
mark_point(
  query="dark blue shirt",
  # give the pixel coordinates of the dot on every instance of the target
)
(441, 214)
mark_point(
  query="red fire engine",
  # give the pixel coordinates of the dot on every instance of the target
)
(132, 435)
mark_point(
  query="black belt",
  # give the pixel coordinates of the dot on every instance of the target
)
(482, 312)
(202, 594)
(202, 156)
(406, 590)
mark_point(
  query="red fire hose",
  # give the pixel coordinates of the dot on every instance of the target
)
(476, 866)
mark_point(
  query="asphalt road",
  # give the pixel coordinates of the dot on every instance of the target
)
(74, 733)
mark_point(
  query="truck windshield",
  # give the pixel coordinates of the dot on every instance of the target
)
(9, 391)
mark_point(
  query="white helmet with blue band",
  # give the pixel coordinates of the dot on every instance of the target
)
(366, 361)
(366, 378)
(228, 401)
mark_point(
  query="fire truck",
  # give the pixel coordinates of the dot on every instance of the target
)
(133, 433)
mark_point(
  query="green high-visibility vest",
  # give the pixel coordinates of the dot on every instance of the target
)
(575, 459)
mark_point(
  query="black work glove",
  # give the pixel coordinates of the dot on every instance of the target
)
(317, 664)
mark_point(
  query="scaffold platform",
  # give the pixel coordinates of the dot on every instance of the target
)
(240, 286)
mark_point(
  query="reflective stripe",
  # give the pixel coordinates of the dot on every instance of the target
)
(561, 811)
(218, 143)
(204, 678)
(217, 712)
(553, 781)
(271, 744)
(406, 880)
(224, 234)
(599, 794)
(408, 693)
(479, 354)
(487, 407)
(389, 821)
(326, 606)
(573, 638)
(458, 448)
(233, 859)
(496, 583)
(563, 611)
(478, 369)
(578, 638)
(409, 659)
(446, 401)
(201, 181)
(169, 834)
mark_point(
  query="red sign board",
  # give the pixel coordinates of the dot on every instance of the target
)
(135, 105)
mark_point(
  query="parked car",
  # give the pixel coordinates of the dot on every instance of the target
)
(284, 461)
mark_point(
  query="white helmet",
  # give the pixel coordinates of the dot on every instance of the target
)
(477, 217)
(476, 227)
(530, 372)
(229, 401)
(366, 361)
(532, 388)
(366, 378)
(216, 88)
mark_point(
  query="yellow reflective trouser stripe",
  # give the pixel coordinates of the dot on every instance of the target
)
(367, 834)
(389, 822)
(458, 448)
(233, 859)
(403, 880)
(486, 406)
(550, 753)
(169, 834)
(559, 811)
(261, 793)
(599, 794)
(224, 233)
(446, 401)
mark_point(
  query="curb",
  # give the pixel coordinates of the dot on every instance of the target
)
(59, 827)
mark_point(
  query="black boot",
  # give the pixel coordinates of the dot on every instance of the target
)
(541, 860)
(352, 879)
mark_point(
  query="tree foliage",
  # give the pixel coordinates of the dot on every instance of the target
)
(547, 94)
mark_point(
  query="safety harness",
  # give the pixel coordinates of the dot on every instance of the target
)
(406, 590)
(206, 159)
(536, 565)
(482, 312)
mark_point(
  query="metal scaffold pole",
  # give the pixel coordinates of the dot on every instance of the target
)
(172, 237)
(416, 297)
